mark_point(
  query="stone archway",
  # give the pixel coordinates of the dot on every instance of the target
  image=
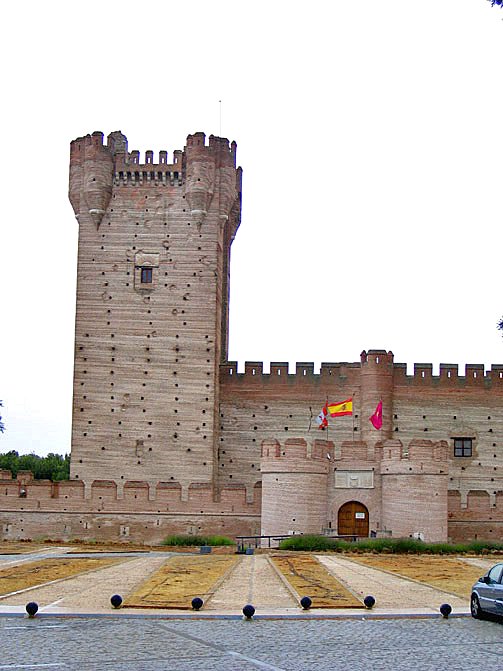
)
(353, 519)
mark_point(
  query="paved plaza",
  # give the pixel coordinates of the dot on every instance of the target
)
(76, 628)
(141, 644)
(253, 581)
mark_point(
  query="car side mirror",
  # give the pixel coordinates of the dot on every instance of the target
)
(485, 579)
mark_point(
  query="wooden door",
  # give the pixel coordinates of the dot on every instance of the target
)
(353, 520)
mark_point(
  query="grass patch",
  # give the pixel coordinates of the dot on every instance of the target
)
(190, 541)
(179, 580)
(314, 543)
(308, 577)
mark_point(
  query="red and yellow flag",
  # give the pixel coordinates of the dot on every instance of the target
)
(340, 409)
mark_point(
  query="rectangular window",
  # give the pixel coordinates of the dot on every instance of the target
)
(146, 275)
(463, 447)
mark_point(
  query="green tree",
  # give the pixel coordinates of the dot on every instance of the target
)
(52, 467)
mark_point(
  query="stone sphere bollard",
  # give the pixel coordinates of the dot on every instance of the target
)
(369, 601)
(197, 603)
(248, 611)
(31, 608)
(446, 610)
(116, 601)
(306, 602)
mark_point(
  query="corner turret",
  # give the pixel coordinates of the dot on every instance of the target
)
(91, 174)
(294, 486)
(209, 168)
(376, 385)
(414, 489)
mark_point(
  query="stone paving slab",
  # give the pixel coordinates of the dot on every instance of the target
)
(139, 644)
(252, 581)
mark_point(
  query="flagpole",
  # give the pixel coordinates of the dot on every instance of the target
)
(326, 406)
(353, 415)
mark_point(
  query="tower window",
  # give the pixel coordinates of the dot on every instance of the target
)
(463, 447)
(146, 275)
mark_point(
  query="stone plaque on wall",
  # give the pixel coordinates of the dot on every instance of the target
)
(354, 479)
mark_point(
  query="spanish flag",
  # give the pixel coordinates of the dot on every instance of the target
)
(341, 409)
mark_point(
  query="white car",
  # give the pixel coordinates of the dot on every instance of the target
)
(487, 594)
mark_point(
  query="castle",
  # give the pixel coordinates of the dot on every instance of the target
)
(168, 436)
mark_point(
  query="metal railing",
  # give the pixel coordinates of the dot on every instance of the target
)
(256, 541)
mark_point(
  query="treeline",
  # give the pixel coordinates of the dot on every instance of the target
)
(52, 467)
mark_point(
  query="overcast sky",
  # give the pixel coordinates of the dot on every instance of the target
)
(371, 138)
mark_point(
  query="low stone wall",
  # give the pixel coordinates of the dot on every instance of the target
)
(140, 527)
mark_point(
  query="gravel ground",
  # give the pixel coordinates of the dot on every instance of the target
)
(90, 592)
(388, 590)
(252, 581)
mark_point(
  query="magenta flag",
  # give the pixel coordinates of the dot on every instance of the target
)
(376, 418)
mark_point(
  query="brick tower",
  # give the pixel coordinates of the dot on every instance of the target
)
(152, 308)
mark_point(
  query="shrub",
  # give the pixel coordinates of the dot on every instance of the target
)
(483, 547)
(314, 543)
(188, 540)
(307, 542)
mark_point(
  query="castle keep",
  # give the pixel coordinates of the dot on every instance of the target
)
(168, 436)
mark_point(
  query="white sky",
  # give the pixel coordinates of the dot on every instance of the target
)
(371, 138)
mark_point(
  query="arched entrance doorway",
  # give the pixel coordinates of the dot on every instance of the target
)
(353, 519)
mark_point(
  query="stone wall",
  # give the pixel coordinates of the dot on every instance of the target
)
(104, 511)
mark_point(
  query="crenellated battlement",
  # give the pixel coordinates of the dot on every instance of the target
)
(297, 449)
(117, 144)
(474, 374)
(419, 456)
(376, 357)
(26, 493)
(95, 168)
(90, 140)
(279, 372)
(218, 147)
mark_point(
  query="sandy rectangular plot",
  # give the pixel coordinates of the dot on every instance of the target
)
(19, 548)
(31, 574)
(309, 578)
(181, 579)
(450, 574)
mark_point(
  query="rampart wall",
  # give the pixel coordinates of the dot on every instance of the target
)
(137, 512)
